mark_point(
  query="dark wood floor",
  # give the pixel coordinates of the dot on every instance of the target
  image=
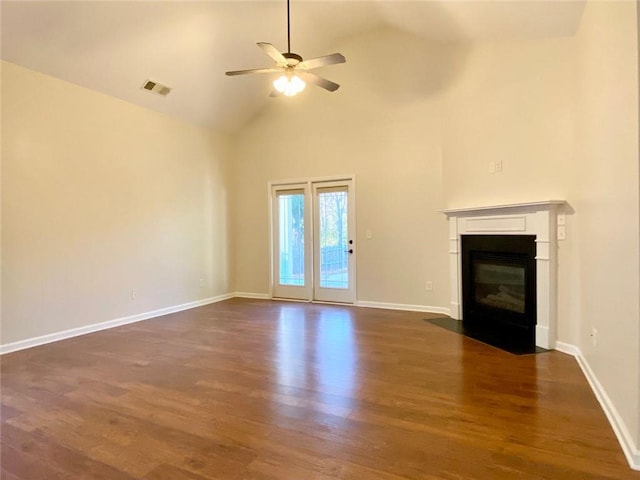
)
(252, 389)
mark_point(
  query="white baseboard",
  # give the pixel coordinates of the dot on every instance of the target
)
(629, 448)
(403, 306)
(259, 296)
(568, 349)
(454, 310)
(542, 337)
(96, 327)
(359, 303)
(364, 304)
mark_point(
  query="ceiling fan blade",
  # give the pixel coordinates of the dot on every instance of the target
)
(322, 61)
(273, 52)
(319, 81)
(254, 70)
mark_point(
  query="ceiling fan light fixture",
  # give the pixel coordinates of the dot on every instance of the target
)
(289, 85)
(288, 63)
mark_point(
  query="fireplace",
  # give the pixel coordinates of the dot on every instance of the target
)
(537, 220)
(499, 287)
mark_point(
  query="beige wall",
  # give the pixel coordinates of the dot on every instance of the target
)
(99, 198)
(419, 139)
(515, 103)
(383, 127)
(606, 196)
(561, 116)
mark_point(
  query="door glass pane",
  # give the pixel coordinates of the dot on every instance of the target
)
(291, 235)
(332, 211)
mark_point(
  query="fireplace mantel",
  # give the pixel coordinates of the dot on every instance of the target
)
(532, 218)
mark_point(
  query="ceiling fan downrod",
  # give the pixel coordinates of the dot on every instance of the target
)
(288, 29)
(290, 56)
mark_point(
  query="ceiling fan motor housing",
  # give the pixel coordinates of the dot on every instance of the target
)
(292, 58)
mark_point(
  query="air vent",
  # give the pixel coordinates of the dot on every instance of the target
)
(157, 88)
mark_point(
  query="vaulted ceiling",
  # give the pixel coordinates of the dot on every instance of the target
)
(113, 47)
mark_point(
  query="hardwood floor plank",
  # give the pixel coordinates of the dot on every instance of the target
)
(6, 475)
(267, 390)
(171, 472)
(33, 455)
(277, 468)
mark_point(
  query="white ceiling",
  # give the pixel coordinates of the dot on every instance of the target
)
(114, 46)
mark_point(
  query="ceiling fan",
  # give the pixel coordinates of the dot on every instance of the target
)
(295, 70)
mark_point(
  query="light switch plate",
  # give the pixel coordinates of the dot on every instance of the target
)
(562, 233)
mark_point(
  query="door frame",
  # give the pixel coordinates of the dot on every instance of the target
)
(308, 185)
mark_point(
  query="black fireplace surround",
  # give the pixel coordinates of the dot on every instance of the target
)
(499, 288)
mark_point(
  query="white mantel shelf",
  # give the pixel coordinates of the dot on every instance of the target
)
(531, 218)
(510, 206)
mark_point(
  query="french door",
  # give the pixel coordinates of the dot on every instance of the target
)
(313, 241)
(333, 245)
(291, 238)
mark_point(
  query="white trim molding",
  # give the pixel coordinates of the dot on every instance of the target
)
(567, 348)
(629, 448)
(533, 218)
(96, 327)
(358, 303)
(258, 296)
(403, 306)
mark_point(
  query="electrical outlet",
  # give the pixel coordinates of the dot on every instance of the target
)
(202, 283)
(561, 219)
(594, 337)
(429, 286)
(499, 166)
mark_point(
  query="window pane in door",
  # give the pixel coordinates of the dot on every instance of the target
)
(332, 213)
(291, 235)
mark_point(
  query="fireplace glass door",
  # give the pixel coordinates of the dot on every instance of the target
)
(499, 286)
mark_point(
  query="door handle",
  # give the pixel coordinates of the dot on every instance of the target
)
(350, 251)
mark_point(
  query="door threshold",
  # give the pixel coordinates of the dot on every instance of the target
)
(297, 300)
(321, 302)
(326, 302)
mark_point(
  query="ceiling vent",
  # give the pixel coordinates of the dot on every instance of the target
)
(157, 88)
